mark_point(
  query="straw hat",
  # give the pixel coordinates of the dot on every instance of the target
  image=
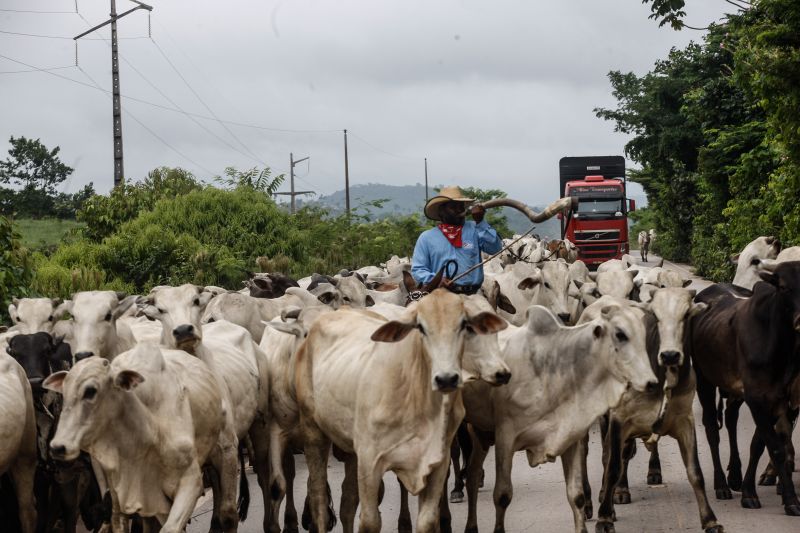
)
(447, 194)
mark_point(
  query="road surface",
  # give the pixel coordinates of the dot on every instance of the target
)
(539, 503)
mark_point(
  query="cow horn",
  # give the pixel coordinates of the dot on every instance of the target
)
(549, 211)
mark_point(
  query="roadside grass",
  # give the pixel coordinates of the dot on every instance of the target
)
(43, 234)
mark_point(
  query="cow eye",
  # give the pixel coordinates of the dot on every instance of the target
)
(547, 285)
(621, 337)
(421, 329)
(89, 393)
(51, 318)
(161, 311)
(108, 317)
(196, 302)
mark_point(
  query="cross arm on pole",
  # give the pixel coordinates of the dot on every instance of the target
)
(112, 19)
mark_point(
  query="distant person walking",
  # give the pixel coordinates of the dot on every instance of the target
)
(454, 243)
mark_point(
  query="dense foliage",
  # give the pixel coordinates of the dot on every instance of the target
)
(715, 130)
(15, 267)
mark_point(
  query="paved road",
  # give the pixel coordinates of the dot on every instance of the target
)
(540, 505)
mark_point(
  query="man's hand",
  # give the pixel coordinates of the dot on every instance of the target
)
(477, 212)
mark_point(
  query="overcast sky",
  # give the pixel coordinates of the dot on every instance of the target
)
(493, 93)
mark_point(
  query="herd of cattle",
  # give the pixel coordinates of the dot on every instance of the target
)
(121, 409)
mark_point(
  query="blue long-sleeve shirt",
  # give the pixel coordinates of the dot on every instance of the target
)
(433, 250)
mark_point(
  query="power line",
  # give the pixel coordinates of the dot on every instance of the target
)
(38, 12)
(35, 70)
(189, 86)
(379, 149)
(62, 37)
(150, 131)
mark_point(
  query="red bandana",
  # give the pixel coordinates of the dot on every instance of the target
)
(452, 233)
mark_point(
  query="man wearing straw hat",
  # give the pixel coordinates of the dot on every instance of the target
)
(454, 243)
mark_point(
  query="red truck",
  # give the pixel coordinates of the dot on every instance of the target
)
(599, 226)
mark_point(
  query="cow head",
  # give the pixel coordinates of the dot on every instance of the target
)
(442, 322)
(785, 278)
(617, 283)
(482, 357)
(179, 310)
(748, 261)
(34, 314)
(94, 317)
(38, 354)
(552, 283)
(673, 308)
(620, 341)
(86, 412)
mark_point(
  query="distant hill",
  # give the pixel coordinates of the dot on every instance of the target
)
(409, 199)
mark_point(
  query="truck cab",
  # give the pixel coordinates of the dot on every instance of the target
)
(599, 224)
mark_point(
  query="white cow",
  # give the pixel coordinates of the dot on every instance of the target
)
(93, 327)
(151, 418)
(18, 437)
(564, 378)
(232, 355)
(748, 260)
(645, 240)
(32, 315)
(387, 392)
(523, 285)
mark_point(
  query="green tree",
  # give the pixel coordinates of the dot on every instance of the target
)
(258, 180)
(15, 267)
(33, 171)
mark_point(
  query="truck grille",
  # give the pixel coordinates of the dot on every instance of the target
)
(597, 235)
(609, 249)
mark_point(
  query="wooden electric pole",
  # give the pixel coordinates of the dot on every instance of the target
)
(346, 177)
(426, 180)
(292, 192)
(119, 171)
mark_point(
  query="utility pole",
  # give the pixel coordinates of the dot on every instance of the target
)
(426, 180)
(292, 192)
(346, 177)
(119, 172)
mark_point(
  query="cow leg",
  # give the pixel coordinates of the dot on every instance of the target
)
(190, 487)
(225, 466)
(369, 486)
(687, 442)
(474, 470)
(749, 496)
(784, 429)
(260, 438)
(611, 473)
(654, 467)
(23, 472)
(587, 488)
(349, 503)
(459, 446)
(776, 446)
(404, 518)
(572, 462)
(290, 523)
(278, 455)
(622, 493)
(445, 518)
(430, 499)
(733, 405)
(503, 489)
(317, 449)
(706, 394)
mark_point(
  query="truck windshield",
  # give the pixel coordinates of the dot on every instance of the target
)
(599, 205)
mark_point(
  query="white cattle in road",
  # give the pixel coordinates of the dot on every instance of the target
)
(249, 312)
(151, 418)
(614, 282)
(388, 392)
(32, 315)
(564, 378)
(94, 323)
(523, 285)
(232, 355)
(748, 260)
(18, 437)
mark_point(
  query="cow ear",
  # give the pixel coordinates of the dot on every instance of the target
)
(369, 302)
(769, 277)
(12, 312)
(487, 323)
(124, 304)
(697, 308)
(63, 309)
(409, 282)
(530, 282)
(128, 379)
(394, 331)
(505, 304)
(205, 297)
(734, 259)
(686, 283)
(55, 382)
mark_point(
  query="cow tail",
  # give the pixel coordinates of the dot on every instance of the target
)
(244, 487)
(720, 412)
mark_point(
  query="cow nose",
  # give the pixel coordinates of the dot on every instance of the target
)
(447, 382)
(181, 332)
(652, 386)
(670, 358)
(564, 317)
(36, 383)
(58, 450)
(502, 377)
(80, 356)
